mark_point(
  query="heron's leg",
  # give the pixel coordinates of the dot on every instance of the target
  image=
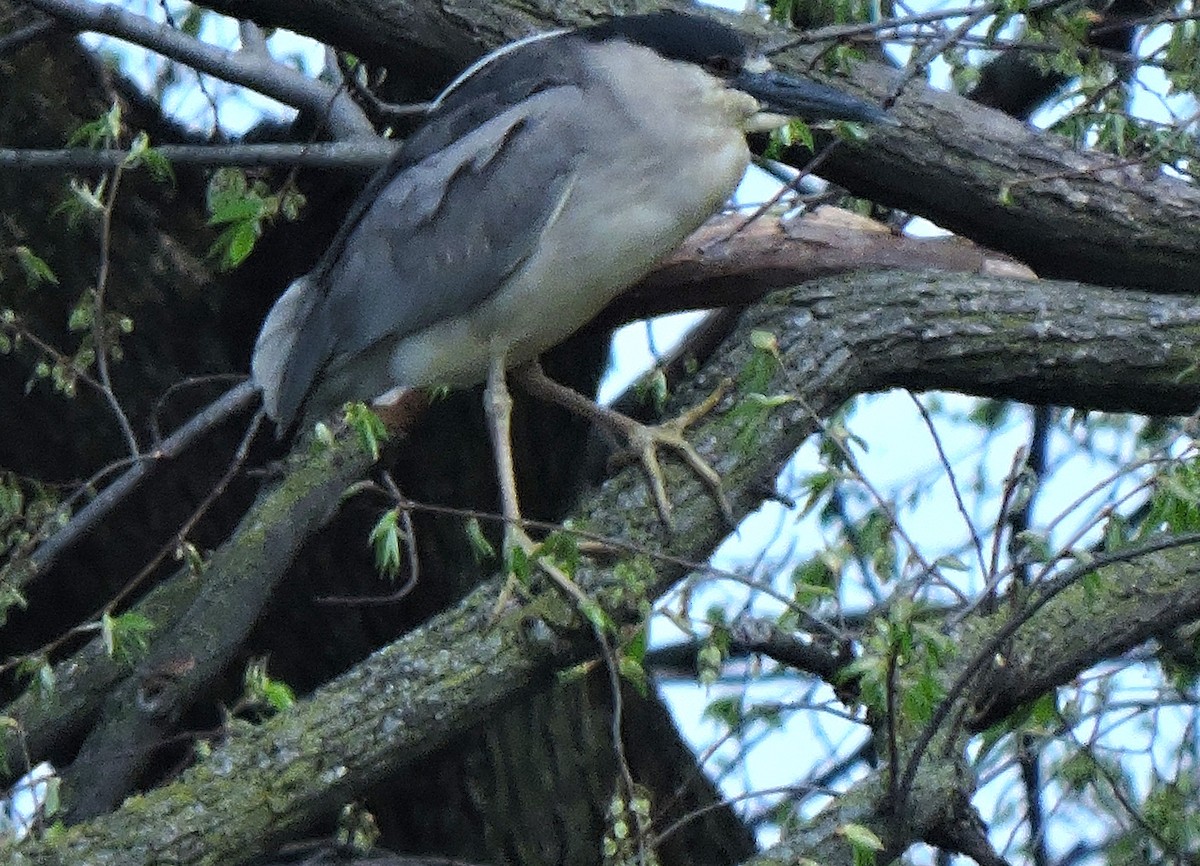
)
(644, 440)
(498, 408)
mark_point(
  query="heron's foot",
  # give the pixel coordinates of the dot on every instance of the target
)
(645, 441)
(521, 555)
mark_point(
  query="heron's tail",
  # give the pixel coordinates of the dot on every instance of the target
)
(291, 347)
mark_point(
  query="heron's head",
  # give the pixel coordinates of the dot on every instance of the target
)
(735, 65)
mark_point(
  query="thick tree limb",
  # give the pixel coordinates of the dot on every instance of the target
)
(1157, 593)
(730, 262)
(238, 580)
(837, 338)
(1066, 213)
(727, 263)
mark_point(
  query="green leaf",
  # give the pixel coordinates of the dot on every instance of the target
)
(561, 548)
(990, 414)
(863, 843)
(190, 555)
(279, 695)
(596, 615)
(234, 244)
(817, 484)
(480, 546)
(851, 132)
(237, 210)
(40, 674)
(858, 835)
(241, 244)
(1031, 546)
(192, 21)
(260, 691)
(518, 565)
(950, 562)
(10, 597)
(814, 578)
(385, 540)
(82, 314)
(632, 672)
(651, 390)
(771, 402)
(368, 426)
(726, 711)
(635, 646)
(126, 637)
(142, 154)
(801, 134)
(765, 341)
(225, 186)
(102, 132)
(709, 660)
(106, 635)
(36, 270)
(291, 202)
(83, 201)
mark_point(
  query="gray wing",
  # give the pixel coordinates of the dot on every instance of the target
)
(445, 234)
(440, 237)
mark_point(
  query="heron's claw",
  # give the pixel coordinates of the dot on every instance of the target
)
(645, 440)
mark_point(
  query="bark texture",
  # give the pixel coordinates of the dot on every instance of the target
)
(456, 733)
(412, 698)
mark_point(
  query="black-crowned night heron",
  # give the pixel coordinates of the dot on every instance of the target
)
(549, 177)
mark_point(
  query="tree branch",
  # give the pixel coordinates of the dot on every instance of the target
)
(237, 399)
(1083, 626)
(983, 175)
(255, 71)
(1068, 214)
(359, 153)
(837, 338)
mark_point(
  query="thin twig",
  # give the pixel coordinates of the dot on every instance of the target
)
(884, 25)
(609, 544)
(18, 331)
(952, 478)
(357, 154)
(1050, 590)
(201, 85)
(175, 388)
(382, 111)
(99, 331)
(410, 545)
(266, 76)
(927, 570)
(169, 547)
(40, 561)
(808, 168)
(791, 790)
